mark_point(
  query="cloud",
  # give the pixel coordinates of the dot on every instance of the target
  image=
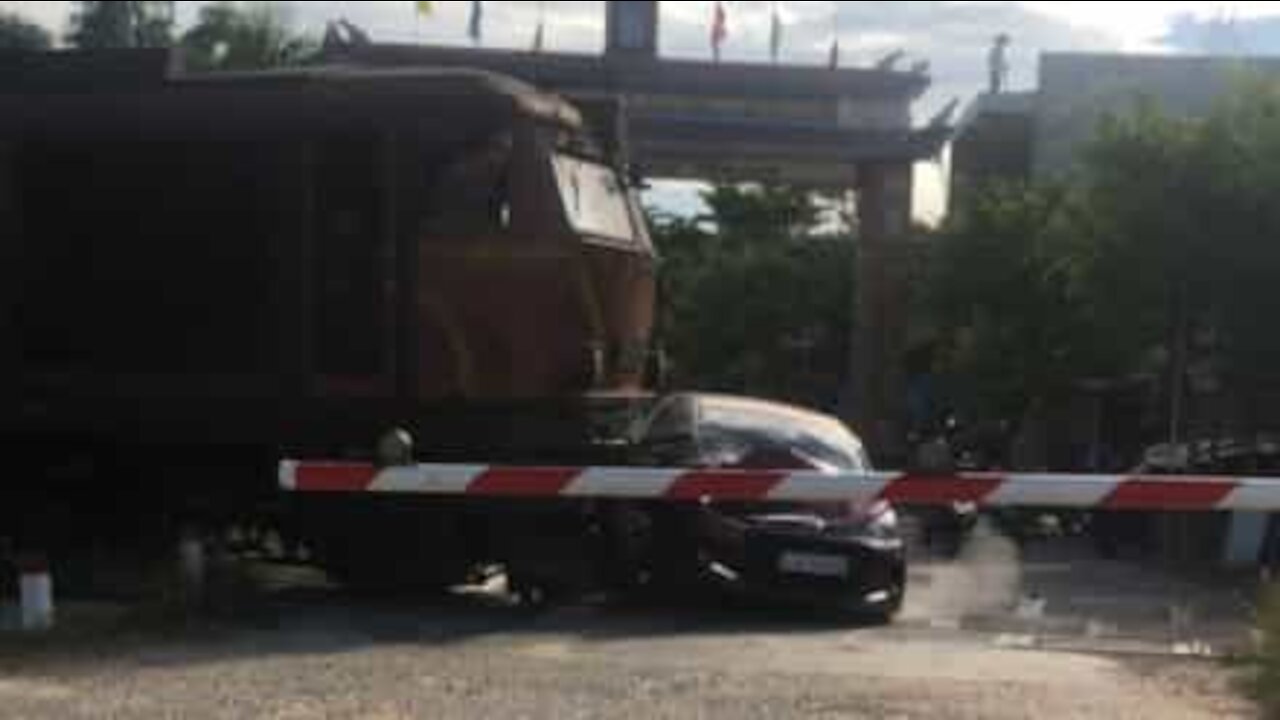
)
(571, 26)
(1224, 35)
(51, 15)
(952, 36)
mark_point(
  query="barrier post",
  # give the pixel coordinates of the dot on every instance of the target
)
(35, 593)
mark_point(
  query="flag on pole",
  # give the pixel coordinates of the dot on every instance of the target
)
(775, 35)
(475, 28)
(540, 34)
(425, 7)
(719, 30)
(833, 60)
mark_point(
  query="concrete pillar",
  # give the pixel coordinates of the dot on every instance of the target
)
(631, 29)
(878, 342)
(884, 201)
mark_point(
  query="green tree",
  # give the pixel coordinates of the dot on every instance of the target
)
(228, 36)
(751, 213)
(1156, 255)
(1002, 296)
(752, 301)
(1189, 203)
(18, 34)
(119, 24)
(1241, 236)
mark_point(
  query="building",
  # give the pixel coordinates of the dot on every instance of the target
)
(1039, 134)
(993, 143)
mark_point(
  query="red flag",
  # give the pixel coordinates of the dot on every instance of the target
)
(719, 29)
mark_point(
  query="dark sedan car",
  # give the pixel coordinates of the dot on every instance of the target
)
(837, 555)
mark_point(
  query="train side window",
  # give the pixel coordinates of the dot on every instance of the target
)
(471, 195)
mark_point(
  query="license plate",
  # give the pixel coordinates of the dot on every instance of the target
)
(830, 566)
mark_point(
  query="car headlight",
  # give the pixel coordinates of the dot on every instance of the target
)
(395, 448)
(884, 523)
(880, 530)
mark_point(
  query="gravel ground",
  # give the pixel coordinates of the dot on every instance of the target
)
(300, 648)
(346, 660)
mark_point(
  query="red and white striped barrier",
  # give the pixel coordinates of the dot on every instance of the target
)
(1106, 492)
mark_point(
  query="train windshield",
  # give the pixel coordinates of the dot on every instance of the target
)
(596, 201)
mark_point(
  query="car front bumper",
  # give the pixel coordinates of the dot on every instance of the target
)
(822, 570)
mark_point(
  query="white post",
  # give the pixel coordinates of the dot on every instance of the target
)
(36, 593)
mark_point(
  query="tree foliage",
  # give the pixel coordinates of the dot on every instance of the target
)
(752, 301)
(755, 214)
(1193, 201)
(18, 34)
(228, 36)
(119, 24)
(1000, 292)
(1166, 233)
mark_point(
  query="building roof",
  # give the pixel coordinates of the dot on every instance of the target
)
(431, 82)
(1161, 60)
(795, 139)
(569, 72)
(986, 104)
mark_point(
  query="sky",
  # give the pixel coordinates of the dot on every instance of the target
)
(952, 36)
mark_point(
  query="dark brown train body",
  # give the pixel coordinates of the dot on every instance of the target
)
(308, 258)
(200, 275)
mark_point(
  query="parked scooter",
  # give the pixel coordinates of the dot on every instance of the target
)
(946, 528)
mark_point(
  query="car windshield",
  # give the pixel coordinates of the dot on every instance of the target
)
(757, 425)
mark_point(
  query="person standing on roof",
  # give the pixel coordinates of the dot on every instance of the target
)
(998, 64)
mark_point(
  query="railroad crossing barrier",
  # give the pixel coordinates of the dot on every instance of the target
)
(1170, 493)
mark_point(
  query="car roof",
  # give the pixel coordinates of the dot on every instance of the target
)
(746, 405)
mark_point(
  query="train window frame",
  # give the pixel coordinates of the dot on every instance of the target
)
(624, 206)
